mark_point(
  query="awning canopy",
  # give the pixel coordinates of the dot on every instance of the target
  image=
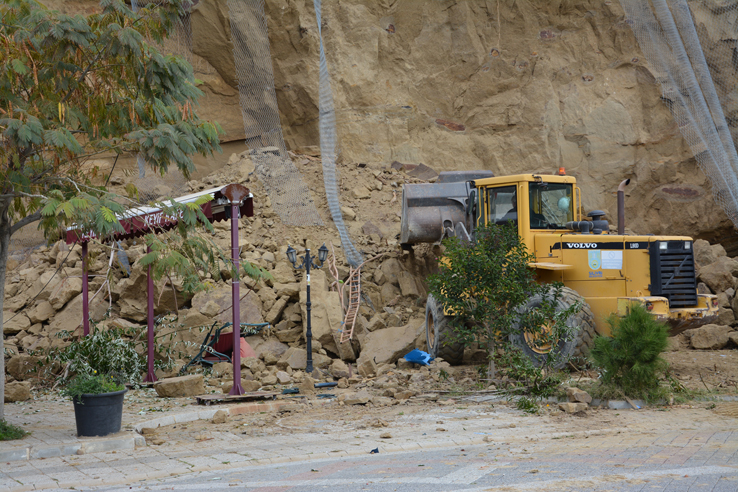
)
(143, 220)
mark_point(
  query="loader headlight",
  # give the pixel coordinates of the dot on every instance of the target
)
(687, 244)
(663, 245)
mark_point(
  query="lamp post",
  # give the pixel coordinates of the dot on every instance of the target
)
(307, 263)
(236, 193)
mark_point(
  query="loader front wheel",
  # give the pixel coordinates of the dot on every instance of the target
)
(575, 350)
(439, 334)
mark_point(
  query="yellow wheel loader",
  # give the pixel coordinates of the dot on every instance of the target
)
(607, 272)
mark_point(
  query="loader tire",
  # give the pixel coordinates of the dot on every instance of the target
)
(575, 350)
(439, 334)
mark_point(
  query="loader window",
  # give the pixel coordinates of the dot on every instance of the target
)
(503, 205)
(551, 205)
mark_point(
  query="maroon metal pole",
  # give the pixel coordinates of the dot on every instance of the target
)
(150, 376)
(85, 293)
(235, 282)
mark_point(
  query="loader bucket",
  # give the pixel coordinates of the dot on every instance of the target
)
(429, 209)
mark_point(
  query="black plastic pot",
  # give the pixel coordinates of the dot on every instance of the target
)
(99, 415)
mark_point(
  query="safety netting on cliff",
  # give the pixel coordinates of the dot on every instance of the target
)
(328, 141)
(691, 53)
(290, 197)
(152, 186)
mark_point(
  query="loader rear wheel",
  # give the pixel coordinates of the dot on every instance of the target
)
(575, 350)
(439, 334)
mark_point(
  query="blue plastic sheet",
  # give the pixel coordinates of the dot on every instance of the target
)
(418, 357)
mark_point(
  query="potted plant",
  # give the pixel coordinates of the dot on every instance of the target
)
(98, 403)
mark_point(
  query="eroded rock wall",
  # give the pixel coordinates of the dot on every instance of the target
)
(510, 86)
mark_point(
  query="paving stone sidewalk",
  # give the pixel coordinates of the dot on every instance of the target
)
(98, 463)
(51, 423)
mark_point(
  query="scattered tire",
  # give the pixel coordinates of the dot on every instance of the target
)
(439, 334)
(575, 350)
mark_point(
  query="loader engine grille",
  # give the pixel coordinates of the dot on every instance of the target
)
(672, 272)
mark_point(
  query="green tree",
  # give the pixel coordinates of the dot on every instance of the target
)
(493, 294)
(73, 88)
(631, 359)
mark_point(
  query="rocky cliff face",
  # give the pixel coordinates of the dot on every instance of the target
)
(510, 86)
(506, 86)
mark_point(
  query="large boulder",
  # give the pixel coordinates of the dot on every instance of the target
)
(41, 312)
(704, 253)
(22, 366)
(283, 273)
(270, 345)
(326, 313)
(13, 324)
(339, 369)
(391, 268)
(408, 285)
(387, 345)
(181, 386)
(45, 285)
(17, 391)
(725, 316)
(275, 313)
(728, 264)
(709, 337)
(222, 296)
(134, 289)
(68, 290)
(718, 275)
(70, 317)
(295, 357)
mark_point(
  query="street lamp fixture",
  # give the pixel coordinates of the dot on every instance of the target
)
(307, 262)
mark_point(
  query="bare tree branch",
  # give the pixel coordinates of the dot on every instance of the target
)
(25, 221)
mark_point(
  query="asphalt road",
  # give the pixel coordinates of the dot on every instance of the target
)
(660, 462)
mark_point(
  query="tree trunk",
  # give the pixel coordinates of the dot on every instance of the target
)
(4, 251)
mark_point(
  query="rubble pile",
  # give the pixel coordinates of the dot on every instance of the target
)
(43, 306)
(716, 274)
(43, 300)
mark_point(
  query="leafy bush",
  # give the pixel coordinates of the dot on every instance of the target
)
(487, 284)
(631, 360)
(104, 352)
(10, 432)
(95, 384)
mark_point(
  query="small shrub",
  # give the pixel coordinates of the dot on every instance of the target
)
(96, 384)
(631, 360)
(527, 405)
(10, 432)
(530, 380)
(103, 352)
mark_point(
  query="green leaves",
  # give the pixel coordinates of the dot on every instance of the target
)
(631, 359)
(18, 66)
(485, 284)
(72, 87)
(105, 351)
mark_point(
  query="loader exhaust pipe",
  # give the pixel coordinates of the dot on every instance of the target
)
(621, 206)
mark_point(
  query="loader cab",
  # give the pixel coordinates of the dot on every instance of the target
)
(535, 204)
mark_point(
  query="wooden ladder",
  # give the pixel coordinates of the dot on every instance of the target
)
(354, 286)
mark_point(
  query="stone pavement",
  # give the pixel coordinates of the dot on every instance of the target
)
(673, 463)
(679, 437)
